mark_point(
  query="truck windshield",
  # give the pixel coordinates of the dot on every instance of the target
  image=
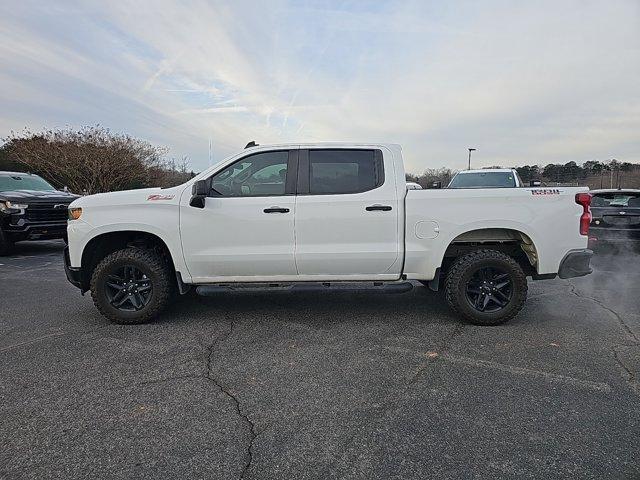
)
(483, 180)
(10, 183)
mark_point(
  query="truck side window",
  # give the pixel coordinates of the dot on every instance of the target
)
(344, 171)
(258, 175)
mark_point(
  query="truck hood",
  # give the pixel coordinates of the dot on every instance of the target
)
(36, 196)
(132, 197)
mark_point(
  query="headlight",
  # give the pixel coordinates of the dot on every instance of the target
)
(75, 213)
(7, 205)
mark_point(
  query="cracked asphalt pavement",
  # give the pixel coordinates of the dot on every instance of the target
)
(305, 386)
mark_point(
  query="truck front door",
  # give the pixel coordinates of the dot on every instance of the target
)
(245, 229)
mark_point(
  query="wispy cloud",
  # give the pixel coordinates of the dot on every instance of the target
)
(522, 82)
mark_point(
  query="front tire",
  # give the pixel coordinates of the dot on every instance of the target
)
(6, 245)
(486, 287)
(131, 286)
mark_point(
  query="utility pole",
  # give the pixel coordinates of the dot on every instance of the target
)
(612, 164)
(470, 150)
(210, 153)
(611, 177)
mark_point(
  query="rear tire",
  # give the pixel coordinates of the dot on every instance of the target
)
(131, 286)
(486, 287)
(6, 245)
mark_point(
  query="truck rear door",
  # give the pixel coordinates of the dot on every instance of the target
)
(347, 214)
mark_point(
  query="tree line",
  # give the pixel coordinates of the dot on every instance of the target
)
(92, 160)
(597, 174)
(593, 173)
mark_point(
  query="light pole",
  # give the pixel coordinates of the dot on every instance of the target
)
(470, 150)
(611, 165)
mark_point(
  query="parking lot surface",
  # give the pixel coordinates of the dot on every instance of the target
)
(302, 385)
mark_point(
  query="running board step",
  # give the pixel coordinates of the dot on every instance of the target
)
(343, 287)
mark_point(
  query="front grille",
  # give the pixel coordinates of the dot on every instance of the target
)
(46, 212)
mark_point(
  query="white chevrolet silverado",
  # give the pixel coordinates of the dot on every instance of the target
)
(322, 216)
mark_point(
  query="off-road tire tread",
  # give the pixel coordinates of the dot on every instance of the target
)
(162, 289)
(456, 272)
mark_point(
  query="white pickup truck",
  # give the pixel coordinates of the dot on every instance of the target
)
(319, 216)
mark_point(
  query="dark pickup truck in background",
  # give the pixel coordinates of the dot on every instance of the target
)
(30, 209)
(615, 218)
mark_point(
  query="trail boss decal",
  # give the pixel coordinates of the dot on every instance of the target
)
(546, 191)
(159, 197)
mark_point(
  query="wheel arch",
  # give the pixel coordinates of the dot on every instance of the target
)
(105, 243)
(512, 241)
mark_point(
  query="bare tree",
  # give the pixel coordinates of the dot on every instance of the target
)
(431, 175)
(93, 159)
(171, 173)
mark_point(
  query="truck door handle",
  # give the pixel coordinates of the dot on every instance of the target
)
(276, 210)
(384, 208)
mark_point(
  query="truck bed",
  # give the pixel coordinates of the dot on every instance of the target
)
(435, 218)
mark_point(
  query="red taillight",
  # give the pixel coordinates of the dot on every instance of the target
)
(584, 199)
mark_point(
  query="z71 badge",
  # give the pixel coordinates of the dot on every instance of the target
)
(160, 197)
(546, 191)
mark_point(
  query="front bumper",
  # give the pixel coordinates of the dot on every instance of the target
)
(576, 263)
(19, 229)
(74, 275)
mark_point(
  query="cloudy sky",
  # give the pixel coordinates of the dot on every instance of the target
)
(525, 82)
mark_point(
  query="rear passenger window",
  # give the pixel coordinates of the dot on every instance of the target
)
(344, 171)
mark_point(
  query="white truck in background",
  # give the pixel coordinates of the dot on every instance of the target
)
(487, 178)
(315, 216)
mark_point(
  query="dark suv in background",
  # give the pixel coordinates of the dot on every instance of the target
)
(30, 209)
(615, 218)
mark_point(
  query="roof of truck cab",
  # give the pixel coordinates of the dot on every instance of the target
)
(487, 170)
(325, 144)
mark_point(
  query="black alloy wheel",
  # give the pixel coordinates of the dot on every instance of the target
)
(128, 289)
(489, 289)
